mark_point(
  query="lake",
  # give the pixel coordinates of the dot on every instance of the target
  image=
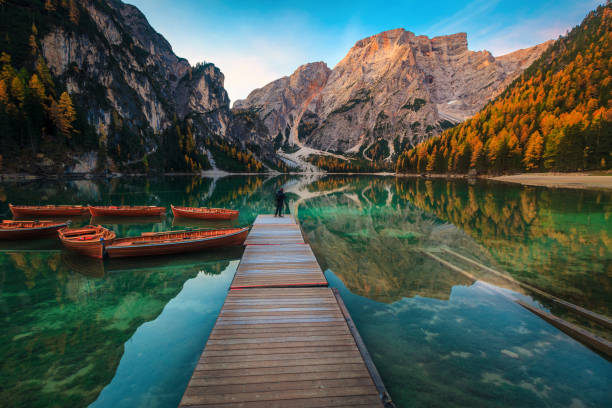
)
(79, 332)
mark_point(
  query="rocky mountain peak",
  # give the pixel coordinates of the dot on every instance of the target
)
(392, 88)
(281, 103)
(136, 58)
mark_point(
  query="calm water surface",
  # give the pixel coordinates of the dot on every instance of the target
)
(78, 332)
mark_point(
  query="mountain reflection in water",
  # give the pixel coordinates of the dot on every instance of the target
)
(78, 331)
(441, 338)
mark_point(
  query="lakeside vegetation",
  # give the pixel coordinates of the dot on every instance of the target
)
(349, 165)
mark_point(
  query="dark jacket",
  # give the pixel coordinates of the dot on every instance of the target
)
(280, 197)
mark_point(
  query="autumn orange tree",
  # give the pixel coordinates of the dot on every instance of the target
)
(556, 116)
(37, 113)
(232, 156)
(334, 164)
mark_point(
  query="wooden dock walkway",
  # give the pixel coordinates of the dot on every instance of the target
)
(283, 338)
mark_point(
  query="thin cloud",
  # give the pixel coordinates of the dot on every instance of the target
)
(459, 20)
(530, 32)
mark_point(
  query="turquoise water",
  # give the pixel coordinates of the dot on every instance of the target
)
(80, 332)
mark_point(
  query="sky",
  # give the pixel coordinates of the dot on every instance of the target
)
(256, 42)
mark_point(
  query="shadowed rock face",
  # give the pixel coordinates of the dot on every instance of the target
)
(116, 61)
(391, 85)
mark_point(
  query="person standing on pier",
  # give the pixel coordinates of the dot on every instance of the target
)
(280, 202)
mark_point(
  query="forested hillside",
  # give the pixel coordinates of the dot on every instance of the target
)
(556, 116)
(89, 86)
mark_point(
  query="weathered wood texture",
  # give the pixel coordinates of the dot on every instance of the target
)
(278, 266)
(269, 230)
(276, 256)
(280, 347)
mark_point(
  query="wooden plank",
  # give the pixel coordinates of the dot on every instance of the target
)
(206, 398)
(266, 334)
(277, 265)
(280, 343)
(584, 336)
(260, 371)
(272, 378)
(294, 344)
(378, 382)
(298, 384)
(347, 401)
(296, 355)
(276, 350)
(280, 339)
(596, 317)
(279, 326)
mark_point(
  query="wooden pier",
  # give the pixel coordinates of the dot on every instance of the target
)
(283, 338)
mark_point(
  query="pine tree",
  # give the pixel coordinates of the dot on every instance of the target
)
(8, 72)
(4, 97)
(50, 5)
(73, 12)
(18, 90)
(67, 108)
(533, 152)
(32, 40)
(45, 75)
(38, 89)
(62, 114)
(56, 117)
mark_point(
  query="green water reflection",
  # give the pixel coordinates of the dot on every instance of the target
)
(77, 331)
(441, 338)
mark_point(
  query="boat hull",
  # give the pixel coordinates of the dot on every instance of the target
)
(127, 212)
(90, 249)
(93, 248)
(47, 211)
(31, 233)
(212, 214)
(168, 248)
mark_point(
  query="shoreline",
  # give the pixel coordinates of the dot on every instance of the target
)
(597, 180)
(583, 181)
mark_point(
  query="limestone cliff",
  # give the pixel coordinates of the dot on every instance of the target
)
(132, 66)
(281, 103)
(393, 87)
(136, 98)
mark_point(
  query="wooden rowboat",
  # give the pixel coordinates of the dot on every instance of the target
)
(121, 220)
(174, 242)
(47, 210)
(89, 240)
(29, 229)
(126, 211)
(205, 213)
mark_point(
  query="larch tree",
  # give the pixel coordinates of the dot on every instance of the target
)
(17, 90)
(67, 108)
(3, 92)
(37, 87)
(533, 151)
(50, 5)
(45, 75)
(73, 12)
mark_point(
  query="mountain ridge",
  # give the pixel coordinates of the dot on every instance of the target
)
(137, 106)
(393, 87)
(555, 116)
